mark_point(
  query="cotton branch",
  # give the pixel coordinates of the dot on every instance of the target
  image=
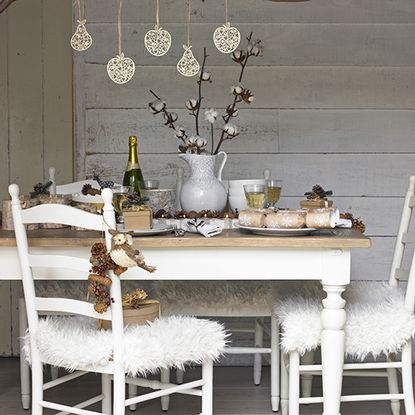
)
(4, 4)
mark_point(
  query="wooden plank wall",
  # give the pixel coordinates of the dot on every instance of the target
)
(334, 100)
(35, 113)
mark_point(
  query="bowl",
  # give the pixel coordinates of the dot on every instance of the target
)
(238, 202)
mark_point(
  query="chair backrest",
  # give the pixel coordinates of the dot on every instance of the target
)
(69, 188)
(403, 239)
(66, 215)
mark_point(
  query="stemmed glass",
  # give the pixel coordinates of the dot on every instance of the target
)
(273, 191)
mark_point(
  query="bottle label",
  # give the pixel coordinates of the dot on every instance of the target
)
(131, 166)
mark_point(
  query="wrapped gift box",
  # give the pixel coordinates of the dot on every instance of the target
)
(149, 311)
(139, 217)
(315, 204)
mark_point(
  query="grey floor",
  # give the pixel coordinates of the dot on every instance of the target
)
(234, 394)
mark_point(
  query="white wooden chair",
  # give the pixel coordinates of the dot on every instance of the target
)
(380, 322)
(228, 299)
(69, 188)
(135, 351)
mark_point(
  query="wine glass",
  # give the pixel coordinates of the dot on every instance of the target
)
(273, 191)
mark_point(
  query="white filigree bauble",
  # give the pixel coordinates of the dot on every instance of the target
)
(81, 40)
(157, 41)
(226, 38)
(188, 65)
(120, 69)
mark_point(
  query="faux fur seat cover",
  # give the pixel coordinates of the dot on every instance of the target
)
(74, 342)
(221, 298)
(377, 321)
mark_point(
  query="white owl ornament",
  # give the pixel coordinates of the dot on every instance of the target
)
(124, 254)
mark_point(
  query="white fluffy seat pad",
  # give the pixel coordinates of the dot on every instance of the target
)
(377, 321)
(74, 343)
(218, 298)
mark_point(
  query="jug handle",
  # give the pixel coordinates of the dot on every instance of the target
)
(225, 157)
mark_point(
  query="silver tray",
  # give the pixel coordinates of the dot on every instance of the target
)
(277, 231)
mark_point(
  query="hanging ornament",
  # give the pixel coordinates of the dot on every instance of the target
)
(120, 69)
(81, 40)
(226, 38)
(157, 41)
(188, 64)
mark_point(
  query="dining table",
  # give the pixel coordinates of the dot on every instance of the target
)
(323, 256)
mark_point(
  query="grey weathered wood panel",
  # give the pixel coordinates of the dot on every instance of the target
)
(25, 98)
(285, 44)
(4, 110)
(318, 11)
(57, 89)
(373, 263)
(351, 131)
(107, 131)
(377, 175)
(274, 87)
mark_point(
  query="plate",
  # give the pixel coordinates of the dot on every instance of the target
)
(156, 230)
(277, 232)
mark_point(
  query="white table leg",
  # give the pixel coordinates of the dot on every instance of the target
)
(333, 319)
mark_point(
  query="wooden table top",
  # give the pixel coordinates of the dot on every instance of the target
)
(339, 238)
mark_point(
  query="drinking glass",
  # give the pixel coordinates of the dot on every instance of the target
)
(120, 194)
(255, 195)
(273, 191)
(150, 184)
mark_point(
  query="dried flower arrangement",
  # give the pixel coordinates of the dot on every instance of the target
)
(195, 143)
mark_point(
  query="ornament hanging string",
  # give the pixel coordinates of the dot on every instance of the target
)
(188, 21)
(119, 27)
(157, 14)
(81, 10)
(226, 11)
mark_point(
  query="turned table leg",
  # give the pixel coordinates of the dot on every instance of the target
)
(333, 319)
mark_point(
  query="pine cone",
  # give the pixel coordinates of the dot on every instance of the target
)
(313, 196)
(86, 189)
(319, 190)
(95, 289)
(98, 248)
(100, 279)
(100, 307)
(359, 225)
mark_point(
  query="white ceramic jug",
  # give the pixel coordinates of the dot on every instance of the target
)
(203, 190)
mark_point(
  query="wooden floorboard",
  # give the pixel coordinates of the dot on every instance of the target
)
(234, 394)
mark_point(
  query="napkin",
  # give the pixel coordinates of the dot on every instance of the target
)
(202, 227)
(343, 223)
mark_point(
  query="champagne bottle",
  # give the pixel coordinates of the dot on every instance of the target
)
(133, 175)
